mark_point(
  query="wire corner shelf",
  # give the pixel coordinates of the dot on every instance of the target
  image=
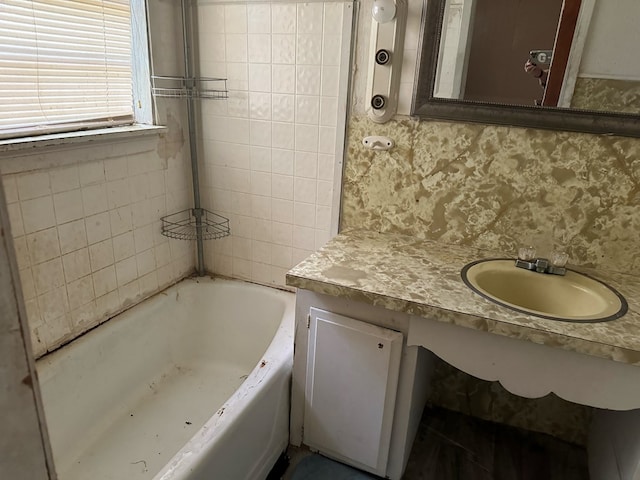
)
(184, 87)
(184, 225)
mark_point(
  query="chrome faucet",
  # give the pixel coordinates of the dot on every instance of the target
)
(555, 266)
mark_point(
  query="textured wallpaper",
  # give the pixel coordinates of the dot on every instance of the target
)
(497, 188)
(607, 94)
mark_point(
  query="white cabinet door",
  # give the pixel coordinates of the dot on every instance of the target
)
(350, 392)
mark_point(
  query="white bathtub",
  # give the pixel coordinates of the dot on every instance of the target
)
(190, 384)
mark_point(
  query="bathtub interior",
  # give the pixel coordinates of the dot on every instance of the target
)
(124, 398)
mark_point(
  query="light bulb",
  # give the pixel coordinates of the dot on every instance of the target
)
(383, 11)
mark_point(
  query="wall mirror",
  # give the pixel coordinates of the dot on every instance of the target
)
(555, 64)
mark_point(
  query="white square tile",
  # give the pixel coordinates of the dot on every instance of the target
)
(282, 186)
(330, 81)
(281, 210)
(23, 256)
(308, 80)
(331, 50)
(42, 246)
(283, 107)
(212, 49)
(259, 18)
(261, 229)
(84, 317)
(278, 277)
(238, 75)
(325, 193)
(118, 193)
(162, 253)
(281, 256)
(304, 214)
(98, 228)
(259, 48)
(308, 49)
(240, 204)
(124, 247)
(261, 251)
(306, 164)
(38, 214)
(211, 17)
(94, 198)
(282, 233)
(241, 268)
(323, 217)
(64, 178)
(108, 304)
(27, 283)
(307, 109)
(326, 166)
(68, 206)
(53, 306)
(260, 209)
(238, 104)
(235, 18)
(48, 275)
(33, 185)
(91, 173)
(260, 105)
(261, 183)
(115, 169)
(236, 51)
(282, 161)
(238, 130)
(328, 111)
(327, 140)
(240, 180)
(241, 248)
(260, 159)
(104, 281)
(139, 189)
(143, 238)
(73, 236)
(101, 255)
(304, 238)
(260, 133)
(307, 138)
(129, 293)
(120, 219)
(146, 262)
(148, 283)
(304, 190)
(141, 213)
(283, 18)
(283, 49)
(283, 135)
(333, 18)
(15, 219)
(284, 78)
(261, 273)
(76, 264)
(10, 188)
(259, 77)
(310, 17)
(126, 271)
(80, 292)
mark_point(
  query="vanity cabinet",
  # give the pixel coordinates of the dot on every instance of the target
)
(358, 390)
(350, 392)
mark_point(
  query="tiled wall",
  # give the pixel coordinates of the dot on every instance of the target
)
(85, 217)
(87, 234)
(270, 149)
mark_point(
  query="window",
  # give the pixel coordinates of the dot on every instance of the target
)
(66, 65)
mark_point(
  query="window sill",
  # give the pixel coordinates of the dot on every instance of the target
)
(29, 144)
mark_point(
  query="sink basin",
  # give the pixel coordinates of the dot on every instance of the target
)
(574, 297)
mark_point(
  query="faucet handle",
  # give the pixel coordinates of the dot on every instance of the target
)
(558, 258)
(527, 253)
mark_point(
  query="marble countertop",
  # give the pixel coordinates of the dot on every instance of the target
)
(422, 278)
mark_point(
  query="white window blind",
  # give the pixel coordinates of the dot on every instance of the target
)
(64, 65)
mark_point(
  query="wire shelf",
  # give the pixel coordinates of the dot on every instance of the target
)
(181, 87)
(184, 226)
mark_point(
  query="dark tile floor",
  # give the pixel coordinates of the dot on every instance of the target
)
(453, 446)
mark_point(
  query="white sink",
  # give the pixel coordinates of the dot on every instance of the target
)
(572, 297)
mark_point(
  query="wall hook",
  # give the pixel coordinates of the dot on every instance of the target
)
(376, 142)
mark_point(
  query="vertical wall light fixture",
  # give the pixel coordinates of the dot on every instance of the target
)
(388, 23)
